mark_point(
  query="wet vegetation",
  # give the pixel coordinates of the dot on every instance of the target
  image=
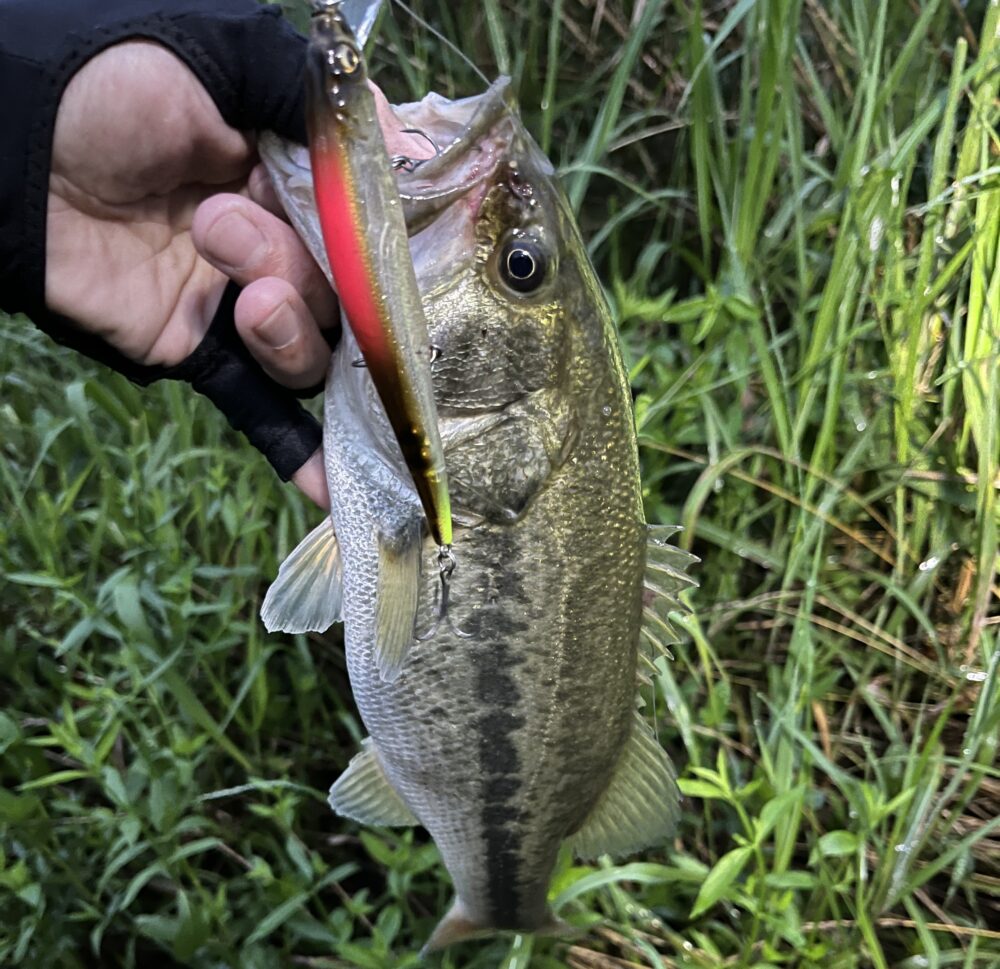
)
(793, 205)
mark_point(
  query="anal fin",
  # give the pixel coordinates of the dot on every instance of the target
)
(396, 604)
(307, 594)
(639, 807)
(363, 793)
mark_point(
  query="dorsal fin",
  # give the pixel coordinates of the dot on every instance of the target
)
(664, 579)
(639, 806)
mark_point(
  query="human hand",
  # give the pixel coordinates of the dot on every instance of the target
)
(155, 203)
(139, 146)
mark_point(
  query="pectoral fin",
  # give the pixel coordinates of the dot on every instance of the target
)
(363, 793)
(640, 805)
(396, 604)
(307, 594)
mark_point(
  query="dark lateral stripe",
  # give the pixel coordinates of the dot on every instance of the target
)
(500, 765)
(499, 762)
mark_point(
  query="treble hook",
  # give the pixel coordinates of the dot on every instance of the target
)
(405, 162)
(446, 566)
(434, 352)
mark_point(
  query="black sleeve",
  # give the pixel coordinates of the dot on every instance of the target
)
(250, 61)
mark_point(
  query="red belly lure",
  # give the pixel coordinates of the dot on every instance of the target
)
(365, 236)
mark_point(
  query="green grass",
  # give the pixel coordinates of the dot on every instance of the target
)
(794, 207)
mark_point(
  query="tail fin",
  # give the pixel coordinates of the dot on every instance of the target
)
(459, 926)
(456, 926)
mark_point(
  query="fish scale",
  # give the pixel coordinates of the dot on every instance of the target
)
(511, 727)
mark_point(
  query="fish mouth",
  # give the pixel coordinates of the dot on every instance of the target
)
(441, 196)
(472, 136)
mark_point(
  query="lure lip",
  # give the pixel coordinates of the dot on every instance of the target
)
(367, 246)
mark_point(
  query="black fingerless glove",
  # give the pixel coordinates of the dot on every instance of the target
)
(250, 60)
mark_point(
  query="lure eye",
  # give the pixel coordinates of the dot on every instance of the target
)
(522, 265)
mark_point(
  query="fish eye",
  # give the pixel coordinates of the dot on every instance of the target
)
(523, 265)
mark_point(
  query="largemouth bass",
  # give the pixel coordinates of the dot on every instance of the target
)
(511, 726)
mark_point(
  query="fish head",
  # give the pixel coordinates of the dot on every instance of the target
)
(508, 293)
(484, 219)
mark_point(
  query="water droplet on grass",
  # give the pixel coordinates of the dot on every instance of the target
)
(875, 233)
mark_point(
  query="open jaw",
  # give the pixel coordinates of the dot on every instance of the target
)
(470, 135)
(440, 195)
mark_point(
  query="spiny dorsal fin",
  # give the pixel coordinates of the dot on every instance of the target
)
(307, 594)
(659, 632)
(396, 604)
(363, 793)
(664, 579)
(666, 564)
(658, 543)
(639, 807)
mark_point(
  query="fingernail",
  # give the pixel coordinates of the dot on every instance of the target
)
(279, 329)
(235, 241)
